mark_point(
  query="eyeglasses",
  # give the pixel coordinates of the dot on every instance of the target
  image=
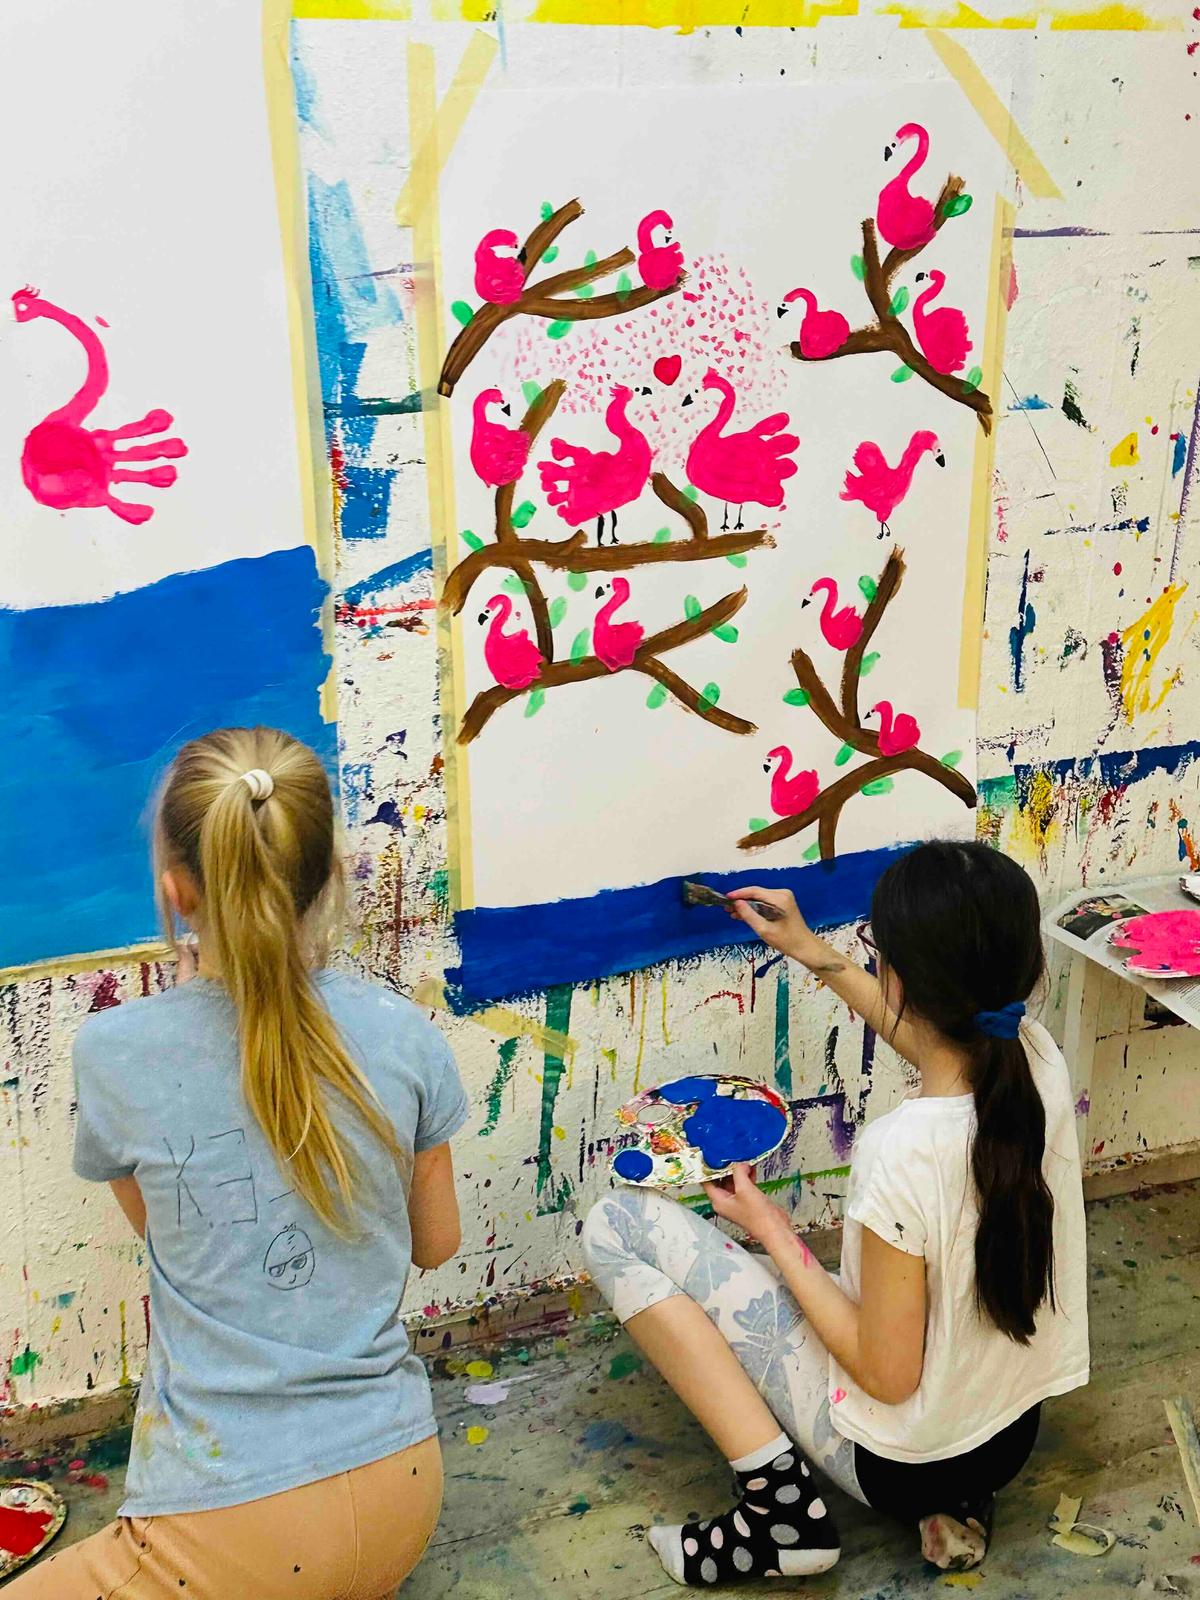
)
(864, 938)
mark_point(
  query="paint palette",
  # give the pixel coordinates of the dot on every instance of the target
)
(31, 1514)
(692, 1130)
(1161, 944)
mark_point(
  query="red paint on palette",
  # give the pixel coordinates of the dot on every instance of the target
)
(668, 368)
(22, 1531)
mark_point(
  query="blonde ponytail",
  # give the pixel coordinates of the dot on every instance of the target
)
(264, 868)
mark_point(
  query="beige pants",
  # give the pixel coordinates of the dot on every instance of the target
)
(353, 1537)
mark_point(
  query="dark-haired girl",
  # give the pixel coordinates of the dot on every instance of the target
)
(914, 1380)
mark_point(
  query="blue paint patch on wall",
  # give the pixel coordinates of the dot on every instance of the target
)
(97, 700)
(367, 494)
(388, 578)
(510, 950)
(1030, 402)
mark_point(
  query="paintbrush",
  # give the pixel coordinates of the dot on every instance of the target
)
(699, 894)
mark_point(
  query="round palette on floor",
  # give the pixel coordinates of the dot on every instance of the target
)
(1161, 944)
(31, 1515)
(694, 1129)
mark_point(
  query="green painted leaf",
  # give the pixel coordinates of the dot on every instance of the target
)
(737, 560)
(692, 492)
(524, 514)
(662, 535)
(727, 633)
(957, 205)
(899, 301)
(585, 291)
(858, 267)
(472, 539)
(880, 786)
(952, 758)
(843, 755)
(551, 254)
(902, 374)
(624, 285)
(531, 391)
(868, 587)
(513, 584)
(797, 697)
(579, 644)
(711, 692)
(536, 701)
(462, 312)
(558, 610)
(867, 663)
(547, 210)
(576, 580)
(656, 697)
(813, 853)
(972, 380)
(590, 259)
(555, 330)
(757, 824)
(691, 606)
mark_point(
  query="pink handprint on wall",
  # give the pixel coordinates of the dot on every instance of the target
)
(67, 466)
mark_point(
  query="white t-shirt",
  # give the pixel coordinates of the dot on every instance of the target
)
(911, 1184)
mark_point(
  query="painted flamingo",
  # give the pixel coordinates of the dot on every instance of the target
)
(659, 265)
(616, 643)
(741, 467)
(942, 334)
(881, 488)
(791, 792)
(841, 629)
(67, 466)
(906, 220)
(822, 333)
(499, 277)
(498, 454)
(513, 659)
(896, 733)
(584, 483)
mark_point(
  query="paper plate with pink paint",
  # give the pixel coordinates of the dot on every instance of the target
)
(694, 1129)
(1161, 944)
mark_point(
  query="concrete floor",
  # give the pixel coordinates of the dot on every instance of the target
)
(572, 1448)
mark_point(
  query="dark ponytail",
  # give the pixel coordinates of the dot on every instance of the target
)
(959, 926)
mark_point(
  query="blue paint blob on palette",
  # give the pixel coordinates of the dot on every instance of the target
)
(693, 1129)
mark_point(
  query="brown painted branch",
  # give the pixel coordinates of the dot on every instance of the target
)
(826, 709)
(827, 807)
(675, 500)
(535, 419)
(691, 698)
(558, 673)
(538, 299)
(890, 580)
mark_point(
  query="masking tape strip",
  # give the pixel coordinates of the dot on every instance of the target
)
(91, 961)
(431, 992)
(353, 10)
(447, 124)
(995, 116)
(979, 527)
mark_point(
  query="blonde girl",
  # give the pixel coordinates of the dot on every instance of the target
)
(277, 1132)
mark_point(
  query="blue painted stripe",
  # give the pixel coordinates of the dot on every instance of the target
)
(97, 700)
(389, 577)
(511, 950)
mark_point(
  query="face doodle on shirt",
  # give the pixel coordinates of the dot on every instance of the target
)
(290, 1259)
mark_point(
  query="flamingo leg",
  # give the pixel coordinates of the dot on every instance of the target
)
(725, 520)
(739, 524)
(884, 531)
(612, 527)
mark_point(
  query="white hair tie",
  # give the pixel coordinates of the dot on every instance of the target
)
(260, 784)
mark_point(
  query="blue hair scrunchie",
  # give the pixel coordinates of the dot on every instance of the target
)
(1002, 1024)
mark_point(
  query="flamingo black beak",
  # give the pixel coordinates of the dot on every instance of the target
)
(940, 459)
(599, 591)
(687, 400)
(766, 766)
(507, 409)
(483, 616)
(645, 389)
(920, 277)
(806, 601)
(781, 310)
(887, 152)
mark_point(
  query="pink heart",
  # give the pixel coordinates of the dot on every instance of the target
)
(668, 368)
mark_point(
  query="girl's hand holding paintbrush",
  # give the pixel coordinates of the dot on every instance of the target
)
(787, 932)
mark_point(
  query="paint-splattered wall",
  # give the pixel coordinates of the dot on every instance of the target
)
(1089, 719)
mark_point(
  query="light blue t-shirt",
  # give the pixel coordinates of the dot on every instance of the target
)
(277, 1355)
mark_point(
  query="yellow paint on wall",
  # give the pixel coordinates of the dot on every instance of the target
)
(354, 10)
(688, 15)
(1038, 815)
(1144, 641)
(1114, 19)
(956, 16)
(501, 1021)
(1125, 454)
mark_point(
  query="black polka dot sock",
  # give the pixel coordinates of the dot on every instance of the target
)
(780, 1527)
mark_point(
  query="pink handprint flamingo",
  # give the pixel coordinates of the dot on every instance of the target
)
(841, 629)
(896, 733)
(498, 454)
(942, 334)
(659, 265)
(512, 658)
(499, 276)
(881, 488)
(67, 466)
(616, 643)
(822, 333)
(791, 793)
(582, 484)
(906, 220)
(739, 468)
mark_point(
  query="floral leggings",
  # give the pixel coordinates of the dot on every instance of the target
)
(642, 1248)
